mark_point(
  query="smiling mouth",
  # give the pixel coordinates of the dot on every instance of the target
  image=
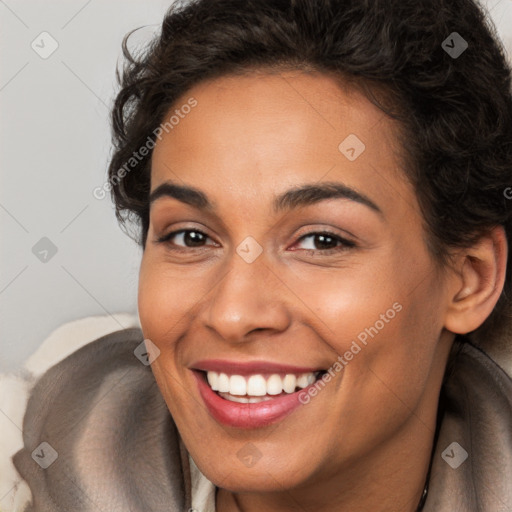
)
(258, 387)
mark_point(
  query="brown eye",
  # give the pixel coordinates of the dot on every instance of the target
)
(187, 238)
(326, 242)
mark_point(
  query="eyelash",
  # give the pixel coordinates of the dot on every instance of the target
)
(345, 244)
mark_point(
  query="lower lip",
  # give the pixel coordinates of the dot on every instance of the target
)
(246, 415)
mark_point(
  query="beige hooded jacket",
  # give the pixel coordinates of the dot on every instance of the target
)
(112, 444)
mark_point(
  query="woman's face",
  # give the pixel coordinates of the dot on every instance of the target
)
(267, 280)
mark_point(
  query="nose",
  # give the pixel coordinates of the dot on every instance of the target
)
(248, 298)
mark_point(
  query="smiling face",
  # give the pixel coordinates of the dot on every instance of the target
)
(258, 272)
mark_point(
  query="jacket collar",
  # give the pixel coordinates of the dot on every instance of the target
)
(472, 459)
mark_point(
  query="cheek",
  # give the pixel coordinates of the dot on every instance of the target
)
(166, 300)
(342, 303)
(391, 373)
(384, 324)
(164, 305)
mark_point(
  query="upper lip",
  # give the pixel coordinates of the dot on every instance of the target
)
(249, 367)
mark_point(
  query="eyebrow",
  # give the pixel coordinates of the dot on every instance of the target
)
(296, 197)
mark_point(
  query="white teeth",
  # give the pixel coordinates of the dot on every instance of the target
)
(302, 381)
(274, 385)
(223, 383)
(289, 383)
(213, 380)
(245, 399)
(237, 385)
(257, 385)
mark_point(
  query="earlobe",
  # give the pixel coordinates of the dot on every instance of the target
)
(478, 285)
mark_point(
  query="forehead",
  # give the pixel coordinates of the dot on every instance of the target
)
(264, 132)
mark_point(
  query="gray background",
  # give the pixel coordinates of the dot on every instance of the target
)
(54, 145)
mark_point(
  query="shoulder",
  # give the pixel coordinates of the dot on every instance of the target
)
(472, 459)
(485, 383)
(98, 435)
(16, 384)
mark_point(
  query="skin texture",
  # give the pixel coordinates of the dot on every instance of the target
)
(364, 442)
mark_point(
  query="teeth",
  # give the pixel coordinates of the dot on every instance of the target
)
(245, 399)
(223, 382)
(303, 381)
(274, 385)
(213, 380)
(237, 385)
(289, 383)
(257, 385)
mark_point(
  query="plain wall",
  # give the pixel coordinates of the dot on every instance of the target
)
(54, 146)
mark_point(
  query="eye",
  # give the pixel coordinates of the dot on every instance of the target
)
(325, 242)
(189, 238)
(321, 241)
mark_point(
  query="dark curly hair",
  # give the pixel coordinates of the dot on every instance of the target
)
(454, 112)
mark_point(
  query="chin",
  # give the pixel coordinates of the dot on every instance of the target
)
(262, 477)
(254, 481)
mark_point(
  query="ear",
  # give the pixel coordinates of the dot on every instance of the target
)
(477, 284)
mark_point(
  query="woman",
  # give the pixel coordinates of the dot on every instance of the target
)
(321, 194)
